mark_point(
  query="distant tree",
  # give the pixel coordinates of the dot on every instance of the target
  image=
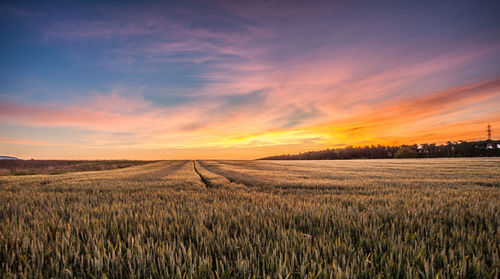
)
(450, 149)
(405, 152)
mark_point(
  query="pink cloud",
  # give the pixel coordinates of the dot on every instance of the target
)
(27, 142)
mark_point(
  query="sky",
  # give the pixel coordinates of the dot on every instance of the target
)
(243, 79)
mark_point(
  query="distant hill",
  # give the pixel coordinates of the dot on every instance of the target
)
(8, 158)
(487, 148)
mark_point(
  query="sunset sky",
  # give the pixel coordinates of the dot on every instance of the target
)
(243, 79)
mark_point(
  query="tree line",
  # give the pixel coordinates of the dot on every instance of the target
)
(487, 148)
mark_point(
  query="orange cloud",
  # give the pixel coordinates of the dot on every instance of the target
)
(437, 113)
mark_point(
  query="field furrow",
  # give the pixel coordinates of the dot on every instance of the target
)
(214, 180)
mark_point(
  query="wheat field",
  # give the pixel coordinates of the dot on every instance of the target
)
(408, 218)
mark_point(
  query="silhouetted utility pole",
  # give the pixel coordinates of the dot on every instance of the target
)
(489, 132)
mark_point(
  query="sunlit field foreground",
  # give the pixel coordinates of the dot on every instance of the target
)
(256, 219)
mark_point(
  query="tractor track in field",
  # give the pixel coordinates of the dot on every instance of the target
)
(231, 180)
(218, 173)
(203, 179)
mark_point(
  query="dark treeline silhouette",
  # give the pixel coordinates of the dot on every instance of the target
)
(488, 148)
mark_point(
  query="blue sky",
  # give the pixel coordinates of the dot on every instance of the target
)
(225, 79)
